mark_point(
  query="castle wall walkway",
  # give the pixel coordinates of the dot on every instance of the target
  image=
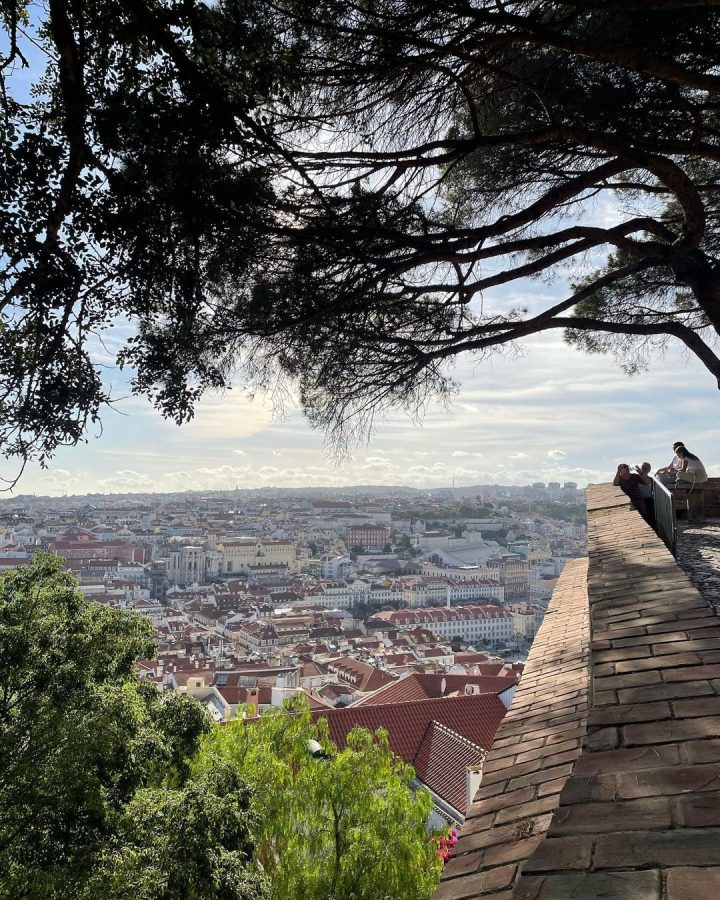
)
(604, 778)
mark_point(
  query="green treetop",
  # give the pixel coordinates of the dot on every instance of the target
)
(95, 800)
(337, 825)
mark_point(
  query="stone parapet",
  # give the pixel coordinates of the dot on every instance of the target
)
(533, 752)
(634, 812)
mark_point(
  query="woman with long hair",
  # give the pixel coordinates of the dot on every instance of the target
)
(691, 471)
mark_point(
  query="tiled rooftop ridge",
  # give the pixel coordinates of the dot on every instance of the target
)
(638, 818)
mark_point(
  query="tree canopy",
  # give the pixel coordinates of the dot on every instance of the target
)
(96, 801)
(342, 824)
(110, 789)
(334, 194)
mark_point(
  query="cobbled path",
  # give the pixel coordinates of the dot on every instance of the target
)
(698, 554)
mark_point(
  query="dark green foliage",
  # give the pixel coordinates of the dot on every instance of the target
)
(88, 754)
(339, 194)
(339, 825)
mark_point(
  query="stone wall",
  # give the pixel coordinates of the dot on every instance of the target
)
(533, 753)
(712, 499)
(634, 813)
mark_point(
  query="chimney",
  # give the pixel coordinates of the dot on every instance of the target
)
(253, 699)
(443, 685)
(473, 777)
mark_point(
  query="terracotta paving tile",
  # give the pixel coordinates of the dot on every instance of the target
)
(695, 624)
(666, 781)
(506, 800)
(657, 639)
(589, 886)
(627, 680)
(596, 817)
(502, 834)
(466, 864)
(693, 884)
(551, 787)
(476, 885)
(527, 810)
(691, 673)
(558, 853)
(658, 662)
(603, 698)
(698, 810)
(541, 776)
(630, 760)
(701, 751)
(693, 644)
(698, 706)
(621, 653)
(665, 691)
(475, 823)
(676, 730)
(642, 849)
(513, 851)
(635, 712)
(548, 750)
(601, 739)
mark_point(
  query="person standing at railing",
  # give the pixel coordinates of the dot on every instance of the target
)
(645, 488)
(629, 483)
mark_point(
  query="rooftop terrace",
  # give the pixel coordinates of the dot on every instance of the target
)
(604, 777)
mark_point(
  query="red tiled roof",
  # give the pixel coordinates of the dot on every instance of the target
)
(315, 701)
(234, 695)
(427, 686)
(333, 690)
(470, 658)
(475, 717)
(495, 670)
(363, 676)
(441, 763)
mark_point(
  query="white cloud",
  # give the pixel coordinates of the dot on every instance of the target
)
(508, 412)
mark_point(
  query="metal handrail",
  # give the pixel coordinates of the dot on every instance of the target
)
(665, 520)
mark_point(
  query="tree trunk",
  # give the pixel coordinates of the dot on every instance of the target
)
(702, 277)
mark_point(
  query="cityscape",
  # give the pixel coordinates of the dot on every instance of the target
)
(359, 484)
(363, 600)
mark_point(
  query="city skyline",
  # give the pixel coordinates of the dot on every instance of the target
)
(514, 421)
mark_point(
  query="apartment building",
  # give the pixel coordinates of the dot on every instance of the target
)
(470, 623)
(367, 536)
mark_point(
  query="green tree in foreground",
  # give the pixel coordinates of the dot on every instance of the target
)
(337, 825)
(95, 795)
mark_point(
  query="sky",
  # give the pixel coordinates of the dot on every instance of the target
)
(553, 414)
(549, 414)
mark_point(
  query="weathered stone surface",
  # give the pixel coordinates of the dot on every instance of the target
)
(591, 886)
(611, 792)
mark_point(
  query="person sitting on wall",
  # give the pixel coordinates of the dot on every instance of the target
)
(691, 471)
(667, 475)
(629, 483)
